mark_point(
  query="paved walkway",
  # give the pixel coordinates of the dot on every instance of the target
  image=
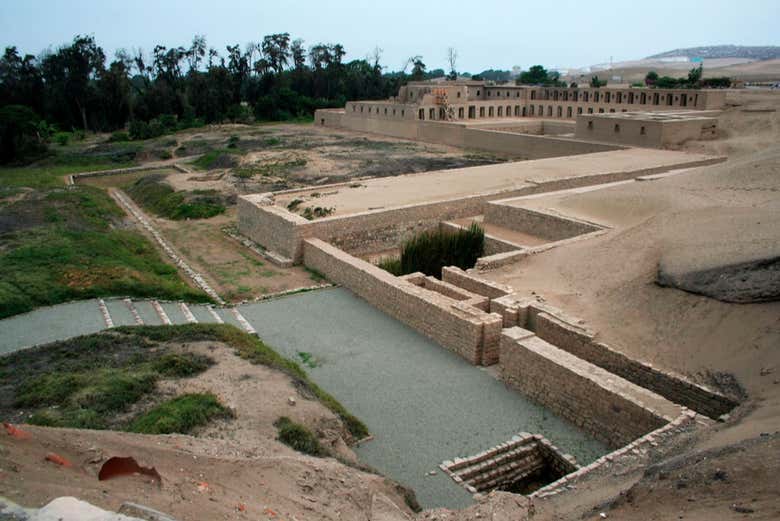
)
(422, 403)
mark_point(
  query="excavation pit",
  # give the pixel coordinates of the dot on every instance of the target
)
(522, 465)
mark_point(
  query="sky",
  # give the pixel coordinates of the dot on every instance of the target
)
(485, 33)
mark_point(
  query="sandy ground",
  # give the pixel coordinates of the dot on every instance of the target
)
(437, 186)
(232, 469)
(282, 156)
(725, 211)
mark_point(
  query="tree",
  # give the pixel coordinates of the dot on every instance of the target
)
(276, 49)
(298, 54)
(418, 68)
(69, 76)
(19, 133)
(694, 77)
(650, 78)
(452, 58)
(536, 75)
(596, 82)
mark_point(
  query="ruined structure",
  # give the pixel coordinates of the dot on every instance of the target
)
(624, 402)
(458, 112)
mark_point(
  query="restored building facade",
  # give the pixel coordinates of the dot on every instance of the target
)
(468, 100)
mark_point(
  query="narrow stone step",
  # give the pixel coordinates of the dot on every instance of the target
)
(217, 318)
(244, 323)
(106, 315)
(161, 313)
(137, 317)
(187, 313)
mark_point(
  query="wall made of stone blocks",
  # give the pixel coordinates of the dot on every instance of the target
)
(590, 397)
(676, 388)
(457, 326)
(544, 225)
(272, 227)
(448, 290)
(529, 146)
(474, 284)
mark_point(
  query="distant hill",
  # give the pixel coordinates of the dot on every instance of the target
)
(754, 52)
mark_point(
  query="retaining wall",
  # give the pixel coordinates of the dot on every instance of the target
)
(597, 401)
(540, 224)
(457, 326)
(582, 344)
(567, 333)
(460, 135)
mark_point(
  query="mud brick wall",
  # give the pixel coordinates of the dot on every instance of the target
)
(462, 279)
(448, 290)
(459, 327)
(272, 227)
(493, 245)
(675, 388)
(579, 391)
(544, 225)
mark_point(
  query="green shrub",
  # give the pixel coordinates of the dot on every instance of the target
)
(160, 198)
(180, 415)
(178, 365)
(429, 252)
(298, 437)
(316, 212)
(118, 137)
(62, 138)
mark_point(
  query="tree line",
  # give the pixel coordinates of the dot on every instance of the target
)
(278, 78)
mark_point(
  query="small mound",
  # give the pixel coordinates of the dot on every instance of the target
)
(753, 281)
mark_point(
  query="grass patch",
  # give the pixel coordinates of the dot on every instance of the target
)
(298, 437)
(154, 194)
(215, 159)
(180, 415)
(252, 349)
(315, 275)
(429, 252)
(51, 173)
(275, 169)
(90, 381)
(61, 245)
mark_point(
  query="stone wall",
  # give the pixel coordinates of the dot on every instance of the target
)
(272, 227)
(595, 400)
(568, 334)
(525, 458)
(457, 326)
(459, 135)
(448, 290)
(493, 245)
(540, 224)
(582, 343)
(465, 280)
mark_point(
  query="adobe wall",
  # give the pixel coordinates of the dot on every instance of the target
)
(582, 343)
(328, 117)
(645, 132)
(493, 245)
(457, 326)
(547, 226)
(272, 227)
(462, 279)
(529, 146)
(595, 400)
(567, 333)
(459, 135)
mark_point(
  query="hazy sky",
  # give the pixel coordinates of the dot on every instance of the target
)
(486, 33)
